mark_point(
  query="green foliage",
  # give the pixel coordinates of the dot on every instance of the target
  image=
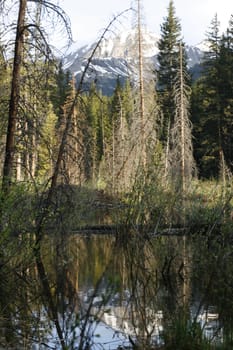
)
(184, 334)
(47, 146)
(94, 111)
(168, 59)
(168, 46)
(59, 88)
(212, 105)
(18, 210)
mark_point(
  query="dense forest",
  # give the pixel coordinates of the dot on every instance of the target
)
(156, 155)
(177, 126)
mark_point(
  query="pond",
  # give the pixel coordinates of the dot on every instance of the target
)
(106, 292)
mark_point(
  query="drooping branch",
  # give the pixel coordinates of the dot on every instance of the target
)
(19, 53)
(59, 12)
(14, 98)
(72, 107)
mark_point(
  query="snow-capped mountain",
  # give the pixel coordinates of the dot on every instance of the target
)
(117, 56)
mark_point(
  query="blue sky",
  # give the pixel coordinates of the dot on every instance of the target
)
(90, 17)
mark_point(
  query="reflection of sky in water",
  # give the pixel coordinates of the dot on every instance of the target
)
(209, 322)
(108, 338)
(103, 337)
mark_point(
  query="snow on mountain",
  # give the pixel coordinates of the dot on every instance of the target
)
(194, 55)
(117, 56)
(203, 46)
(123, 45)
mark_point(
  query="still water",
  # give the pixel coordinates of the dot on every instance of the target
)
(110, 293)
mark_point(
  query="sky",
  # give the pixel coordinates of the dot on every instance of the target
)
(90, 17)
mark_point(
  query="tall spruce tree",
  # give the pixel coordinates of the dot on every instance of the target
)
(206, 106)
(168, 59)
(212, 102)
(120, 147)
(225, 68)
(93, 136)
(60, 89)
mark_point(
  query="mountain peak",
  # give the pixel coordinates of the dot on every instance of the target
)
(116, 57)
(122, 45)
(125, 44)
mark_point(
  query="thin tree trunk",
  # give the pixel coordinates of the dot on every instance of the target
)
(34, 155)
(141, 88)
(18, 167)
(14, 99)
(113, 157)
(167, 152)
(182, 121)
(19, 157)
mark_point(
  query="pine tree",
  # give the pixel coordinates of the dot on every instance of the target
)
(94, 135)
(213, 105)
(60, 89)
(119, 155)
(72, 167)
(168, 59)
(225, 68)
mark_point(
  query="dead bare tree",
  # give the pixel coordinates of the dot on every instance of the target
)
(182, 164)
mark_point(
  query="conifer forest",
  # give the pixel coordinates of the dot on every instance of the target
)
(128, 194)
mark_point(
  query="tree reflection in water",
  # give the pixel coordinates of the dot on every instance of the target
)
(143, 293)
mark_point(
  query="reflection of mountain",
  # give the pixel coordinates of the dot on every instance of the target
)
(116, 57)
(112, 324)
(120, 297)
(120, 313)
(120, 317)
(209, 322)
(117, 319)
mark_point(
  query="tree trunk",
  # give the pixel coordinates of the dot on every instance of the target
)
(141, 88)
(182, 121)
(14, 99)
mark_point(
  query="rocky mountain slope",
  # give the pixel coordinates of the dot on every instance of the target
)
(116, 57)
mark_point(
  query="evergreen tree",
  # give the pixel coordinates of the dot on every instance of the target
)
(168, 59)
(93, 135)
(119, 157)
(212, 104)
(225, 82)
(72, 167)
(60, 89)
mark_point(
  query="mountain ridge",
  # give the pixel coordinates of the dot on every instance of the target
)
(116, 58)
